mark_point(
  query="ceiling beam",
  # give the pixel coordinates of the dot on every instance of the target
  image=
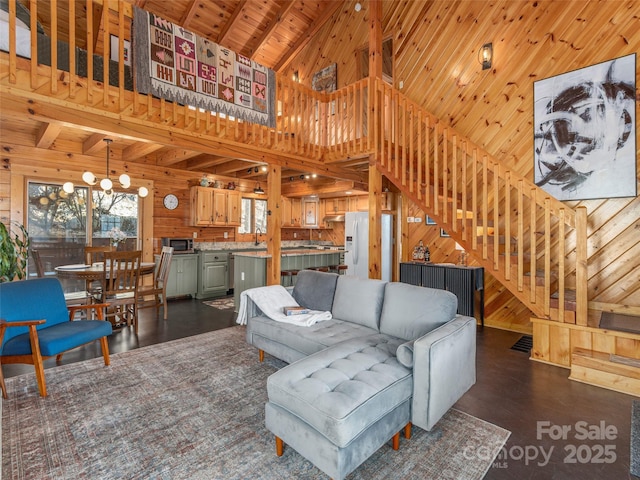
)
(47, 134)
(304, 40)
(175, 155)
(139, 150)
(93, 144)
(64, 112)
(205, 161)
(275, 23)
(188, 14)
(229, 24)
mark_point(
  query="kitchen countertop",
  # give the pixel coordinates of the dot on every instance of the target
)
(286, 253)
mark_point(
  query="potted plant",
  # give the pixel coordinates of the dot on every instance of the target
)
(14, 250)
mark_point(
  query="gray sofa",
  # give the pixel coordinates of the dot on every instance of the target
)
(393, 354)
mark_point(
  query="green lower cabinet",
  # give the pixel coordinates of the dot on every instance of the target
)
(183, 275)
(213, 274)
(249, 272)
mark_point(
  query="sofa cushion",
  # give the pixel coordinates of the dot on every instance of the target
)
(358, 301)
(315, 290)
(410, 311)
(344, 389)
(305, 340)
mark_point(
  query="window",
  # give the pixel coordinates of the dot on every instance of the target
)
(58, 227)
(254, 216)
(387, 61)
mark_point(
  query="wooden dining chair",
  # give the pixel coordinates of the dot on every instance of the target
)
(159, 287)
(81, 297)
(120, 276)
(96, 254)
(93, 255)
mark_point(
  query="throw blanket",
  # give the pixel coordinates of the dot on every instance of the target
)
(271, 300)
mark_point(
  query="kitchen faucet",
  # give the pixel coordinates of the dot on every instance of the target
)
(257, 232)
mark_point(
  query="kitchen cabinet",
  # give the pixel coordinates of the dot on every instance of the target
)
(310, 212)
(183, 275)
(213, 274)
(337, 205)
(359, 203)
(291, 212)
(215, 207)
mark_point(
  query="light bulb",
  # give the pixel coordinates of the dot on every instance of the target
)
(125, 180)
(67, 187)
(143, 192)
(89, 178)
(106, 184)
(357, 7)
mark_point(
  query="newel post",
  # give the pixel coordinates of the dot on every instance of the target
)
(582, 299)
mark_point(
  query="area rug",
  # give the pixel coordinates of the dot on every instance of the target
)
(194, 409)
(226, 303)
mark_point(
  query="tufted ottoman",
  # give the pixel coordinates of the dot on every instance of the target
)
(338, 406)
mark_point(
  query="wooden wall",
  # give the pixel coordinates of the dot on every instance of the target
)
(436, 46)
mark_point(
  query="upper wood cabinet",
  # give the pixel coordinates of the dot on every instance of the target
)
(291, 212)
(215, 207)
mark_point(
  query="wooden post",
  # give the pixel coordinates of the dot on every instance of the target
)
(274, 222)
(375, 220)
(581, 266)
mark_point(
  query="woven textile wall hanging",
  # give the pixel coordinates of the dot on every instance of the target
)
(173, 63)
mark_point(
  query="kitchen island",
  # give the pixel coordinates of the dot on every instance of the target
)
(250, 269)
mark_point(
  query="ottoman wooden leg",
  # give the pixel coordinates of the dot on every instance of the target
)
(396, 441)
(261, 355)
(279, 447)
(407, 430)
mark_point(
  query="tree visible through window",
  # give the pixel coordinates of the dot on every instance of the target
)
(254, 216)
(58, 227)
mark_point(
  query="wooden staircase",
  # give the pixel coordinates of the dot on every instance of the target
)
(505, 222)
(532, 243)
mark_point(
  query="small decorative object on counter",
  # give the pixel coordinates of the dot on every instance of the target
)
(231, 186)
(204, 181)
(218, 184)
(421, 253)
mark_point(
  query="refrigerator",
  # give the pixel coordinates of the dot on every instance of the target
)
(356, 244)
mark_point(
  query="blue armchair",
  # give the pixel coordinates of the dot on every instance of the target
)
(36, 324)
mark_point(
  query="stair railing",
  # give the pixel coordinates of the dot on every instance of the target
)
(534, 244)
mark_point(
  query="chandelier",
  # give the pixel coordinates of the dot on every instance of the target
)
(106, 183)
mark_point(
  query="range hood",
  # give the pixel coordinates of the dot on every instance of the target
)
(333, 218)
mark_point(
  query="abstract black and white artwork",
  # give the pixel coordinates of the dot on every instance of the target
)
(585, 124)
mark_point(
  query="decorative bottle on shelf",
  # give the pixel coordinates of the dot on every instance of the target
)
(421, 253)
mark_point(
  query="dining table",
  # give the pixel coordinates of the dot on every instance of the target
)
(89, 273)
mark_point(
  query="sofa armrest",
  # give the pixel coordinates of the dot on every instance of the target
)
(444, 368)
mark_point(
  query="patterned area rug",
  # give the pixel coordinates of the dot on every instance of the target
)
(194, 409)
(221, 303)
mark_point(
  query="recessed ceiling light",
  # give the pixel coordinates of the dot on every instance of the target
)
(357, 7)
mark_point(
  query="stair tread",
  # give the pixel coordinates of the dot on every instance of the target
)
(606, 362)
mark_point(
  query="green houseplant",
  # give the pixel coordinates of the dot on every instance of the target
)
(14, 250)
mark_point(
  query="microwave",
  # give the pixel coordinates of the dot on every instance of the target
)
(180, 245)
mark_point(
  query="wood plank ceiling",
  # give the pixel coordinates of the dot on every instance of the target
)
(271, 32)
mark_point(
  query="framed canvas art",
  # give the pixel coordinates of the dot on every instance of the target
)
(585, 132)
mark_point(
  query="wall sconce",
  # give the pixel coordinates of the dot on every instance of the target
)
(258, 190)
(255, 169)
(485, 56)
(296, 76)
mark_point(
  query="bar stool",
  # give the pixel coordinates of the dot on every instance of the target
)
(339, 269)
(319, 269)
(284, 275)
(291, 275)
